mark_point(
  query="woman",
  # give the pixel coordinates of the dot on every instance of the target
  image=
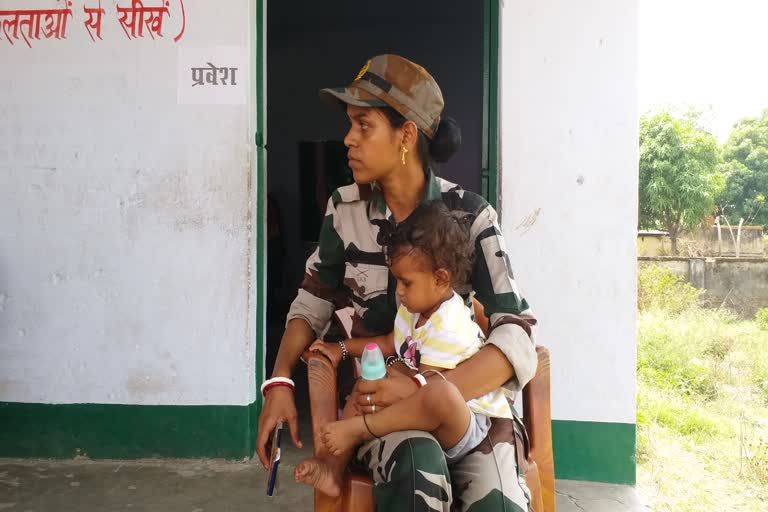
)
(395, 138)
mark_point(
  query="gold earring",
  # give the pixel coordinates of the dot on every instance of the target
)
(402, 155)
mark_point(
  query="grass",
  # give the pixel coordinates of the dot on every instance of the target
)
(762, 318)
(702, 408)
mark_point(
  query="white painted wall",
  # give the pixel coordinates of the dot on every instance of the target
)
(125, 219)
(569, 192)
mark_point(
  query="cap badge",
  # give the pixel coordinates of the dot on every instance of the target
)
(363, 71)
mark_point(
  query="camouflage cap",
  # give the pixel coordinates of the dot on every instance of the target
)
(393, 81)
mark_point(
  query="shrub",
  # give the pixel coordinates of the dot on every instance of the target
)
(760, 377)
(660, 288)
(757, 461)
(762, 318)
(672, 352)
(688, 421)
(674, 413)
(719, 347)
(643, 422)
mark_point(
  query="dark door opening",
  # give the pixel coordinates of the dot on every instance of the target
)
(311, 45)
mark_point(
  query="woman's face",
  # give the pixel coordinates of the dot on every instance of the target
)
(374, 146)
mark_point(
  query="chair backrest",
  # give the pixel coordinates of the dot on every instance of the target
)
(480, 318)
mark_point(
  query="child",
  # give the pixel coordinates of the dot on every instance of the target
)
(428, 254)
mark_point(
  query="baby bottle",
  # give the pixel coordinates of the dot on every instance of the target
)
(373, 367)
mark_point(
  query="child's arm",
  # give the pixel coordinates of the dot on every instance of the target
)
(354, 346)
(435, 357)
(425, 367)
(386, 343)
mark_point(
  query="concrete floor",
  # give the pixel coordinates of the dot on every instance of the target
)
(163, 486)
(575, 496)
(209, 485)
(212, 485)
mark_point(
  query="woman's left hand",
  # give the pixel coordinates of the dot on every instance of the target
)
(374, 395)
(330, 350)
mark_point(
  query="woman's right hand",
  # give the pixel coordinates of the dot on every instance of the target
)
(279, 405)
(383, 392)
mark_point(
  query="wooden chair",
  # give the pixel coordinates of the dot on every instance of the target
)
(357, 494)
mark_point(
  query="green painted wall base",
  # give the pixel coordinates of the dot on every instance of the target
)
(600, 452)
(102, 431)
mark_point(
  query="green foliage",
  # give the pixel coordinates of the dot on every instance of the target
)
(762, 318)
(760, 377)
(719, 347)
(668, 371)
(684, 417)
(679, 174)
(660, 288)
(746, 172)
(671, 354)
(757, 462)
(689, 421)
(698, 375)
(759, 350)
(754, 343)
(644, 420)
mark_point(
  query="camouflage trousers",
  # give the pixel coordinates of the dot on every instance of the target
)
(410, 474)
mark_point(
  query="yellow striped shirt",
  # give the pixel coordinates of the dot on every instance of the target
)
(447, 338)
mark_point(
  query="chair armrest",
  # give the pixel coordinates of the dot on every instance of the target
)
(324, 408)
(537, 414)
(323, 396)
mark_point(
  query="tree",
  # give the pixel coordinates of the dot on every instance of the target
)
(746, 172)
(679, 176)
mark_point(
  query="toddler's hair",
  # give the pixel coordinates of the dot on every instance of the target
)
(439, 234)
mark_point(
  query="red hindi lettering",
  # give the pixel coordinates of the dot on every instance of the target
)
(10, 24)
(33, 26)
(94, 20)
(133, 19)
(27, 23)
(135, 10)
(56, 23)
(155, 20)
(183, 23)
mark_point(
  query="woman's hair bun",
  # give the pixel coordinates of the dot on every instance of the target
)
(446, 141)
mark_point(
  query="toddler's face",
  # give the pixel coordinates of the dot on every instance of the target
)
(419, 288)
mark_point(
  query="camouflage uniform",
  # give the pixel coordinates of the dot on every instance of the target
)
(349, 268)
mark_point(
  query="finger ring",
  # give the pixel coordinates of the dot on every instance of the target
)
(373, 408)
(369, 398)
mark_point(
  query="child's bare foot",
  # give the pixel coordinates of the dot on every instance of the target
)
(318, 474)
(343, 435)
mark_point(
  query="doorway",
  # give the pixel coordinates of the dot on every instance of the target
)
(311, 45)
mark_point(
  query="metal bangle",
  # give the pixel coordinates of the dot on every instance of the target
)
(425, 372)
(344, 353)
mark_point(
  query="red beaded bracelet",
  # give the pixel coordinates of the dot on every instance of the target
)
(419, 380)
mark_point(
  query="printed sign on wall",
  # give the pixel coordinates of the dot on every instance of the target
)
(26, 24)
(213, 75)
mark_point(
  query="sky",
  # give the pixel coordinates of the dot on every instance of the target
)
(711, 55)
